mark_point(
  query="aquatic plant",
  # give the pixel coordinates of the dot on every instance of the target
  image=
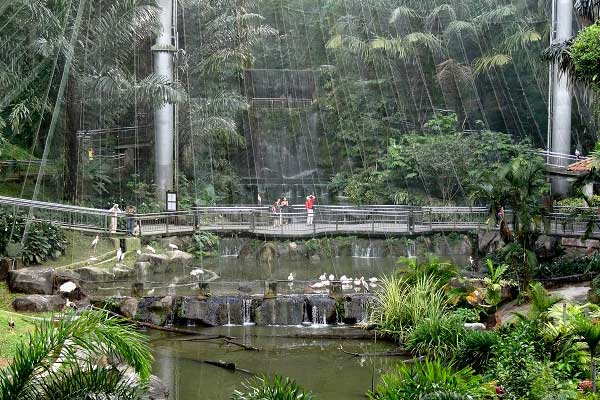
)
(279, 388)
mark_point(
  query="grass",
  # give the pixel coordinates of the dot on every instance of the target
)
(10, 340)
(23, 325)
(79, 249)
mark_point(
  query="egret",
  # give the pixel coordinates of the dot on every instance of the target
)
(326, 283)
(150, 249)
(357, 282)
(373, 280)
(343, 278)
(291, 277)
(322, 277)
(11, 324)
(138, 252)
(317, 285)
(95, 243)
(172, 246)
(120, 255)
(151, 291)
(196, 272)
(471, 261)
(331, 277)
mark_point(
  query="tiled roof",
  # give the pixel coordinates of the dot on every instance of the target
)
(581, 166)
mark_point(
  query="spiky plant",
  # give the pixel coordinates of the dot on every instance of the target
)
(279, 388)
(68, 361)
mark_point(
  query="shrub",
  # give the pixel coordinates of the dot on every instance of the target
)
(475, 349)
(438, 337)
(440, 271)
(204, 243)
(585, 53)
(431, 380)
(43, 240)
(279, 388)
(398, 305)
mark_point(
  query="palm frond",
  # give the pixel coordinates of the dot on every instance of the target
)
(487, 63)
(438, 12)
(402, 12)
(495, 16)
(521, 39)
(458, 27)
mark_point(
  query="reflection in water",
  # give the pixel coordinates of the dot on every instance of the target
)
(315, 363)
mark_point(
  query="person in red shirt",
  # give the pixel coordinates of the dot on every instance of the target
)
(310, 203)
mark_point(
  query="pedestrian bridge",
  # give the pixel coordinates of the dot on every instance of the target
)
(374, 220)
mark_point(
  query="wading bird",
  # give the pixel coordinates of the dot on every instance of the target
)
(11, 324)
(120, 255)
(150, 249)
(95, 243)
(173, 247)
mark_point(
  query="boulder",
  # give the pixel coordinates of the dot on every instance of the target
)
(123, 272)
(321, 310)
(355, 308)
(212, 311)
(33, 280)
(95, 274)
(159, 262)
(156, 310)
(180, 258)
(143, 268)
(176, 240)
(39, 303)
(156, 390)
(280, 311)
(128, 307)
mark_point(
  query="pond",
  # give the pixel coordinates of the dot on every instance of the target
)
(302, 353)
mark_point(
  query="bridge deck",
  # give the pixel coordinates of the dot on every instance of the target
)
(328, 220)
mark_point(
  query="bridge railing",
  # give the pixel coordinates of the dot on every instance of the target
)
(61, 214)
(558, 159)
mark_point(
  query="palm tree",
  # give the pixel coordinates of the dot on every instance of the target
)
(69, 361)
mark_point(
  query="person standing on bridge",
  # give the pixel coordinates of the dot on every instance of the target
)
(310, 212)
(130, 211)
(115, 210)
(285, 206)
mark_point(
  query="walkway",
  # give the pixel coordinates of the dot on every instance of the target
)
(258, 221)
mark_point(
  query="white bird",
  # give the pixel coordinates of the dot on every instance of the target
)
(150, 249)
(471, 260)
(173, 247)
(95, 243)
(331, 277)
(11, 324)
(138, 252)
(291, 277)
(322, 277)
(67, 287)
(373, 280)
(120, 255)
(151, 291)
(259, 199)
(326, 283)
(196, 272)
(317, 285)
(343, 278)
(357, 282)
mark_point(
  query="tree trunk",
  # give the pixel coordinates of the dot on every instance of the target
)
(71, 144)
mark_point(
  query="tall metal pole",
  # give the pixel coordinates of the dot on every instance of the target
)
(163, 52)
(561, 95)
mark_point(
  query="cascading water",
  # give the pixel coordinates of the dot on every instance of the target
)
(231, 247)
(363, 311)
(319, 317)
(228, 313)
(359, 251)
(411, 249)
(247, 312)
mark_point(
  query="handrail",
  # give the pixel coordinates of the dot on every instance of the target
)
(296, 222)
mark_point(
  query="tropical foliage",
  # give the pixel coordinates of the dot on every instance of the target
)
(69, 361)
(277, 388)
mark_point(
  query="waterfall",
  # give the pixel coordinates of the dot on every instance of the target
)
(363, 311)
(411, 249)
(366, 249)
(231, 247)
(228, 313)
(319, 317)
(247, 312)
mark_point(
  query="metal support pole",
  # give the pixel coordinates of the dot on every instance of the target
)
(561, 96)
(163, 52)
